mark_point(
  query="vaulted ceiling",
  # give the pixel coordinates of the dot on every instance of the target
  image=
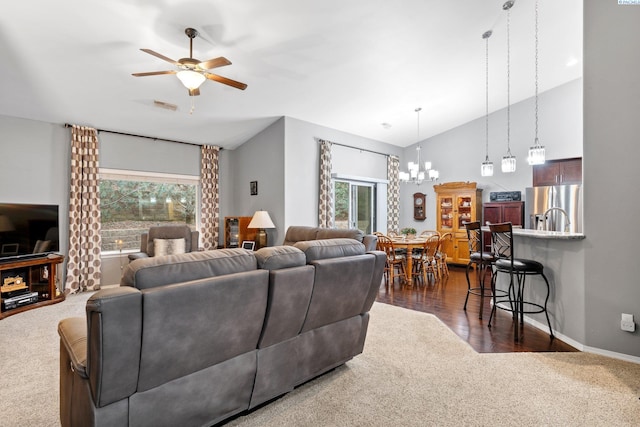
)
(348, 65)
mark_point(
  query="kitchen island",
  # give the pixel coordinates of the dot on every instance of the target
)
(562, 254)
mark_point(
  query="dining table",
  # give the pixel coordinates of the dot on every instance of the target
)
(409, 245)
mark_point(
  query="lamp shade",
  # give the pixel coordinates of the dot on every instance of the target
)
(261, 219)
(191, 79)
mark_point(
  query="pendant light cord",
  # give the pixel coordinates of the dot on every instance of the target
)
(486, 36)
(536, 75)
(508, 82)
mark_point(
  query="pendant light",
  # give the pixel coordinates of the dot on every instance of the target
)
(487, 166)
(418, 171)
(508, 161)
(536, 153)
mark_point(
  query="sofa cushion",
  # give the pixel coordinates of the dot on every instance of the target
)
(168, 232)
(330, 248)
(168, 246)
(335, 233)
(277, 257)
(299, 233)
(159, 271)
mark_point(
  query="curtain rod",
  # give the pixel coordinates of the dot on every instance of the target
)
(67, 125)
(357, 148)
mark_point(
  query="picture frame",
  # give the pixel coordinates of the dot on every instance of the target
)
(253, 188)
(248, 244)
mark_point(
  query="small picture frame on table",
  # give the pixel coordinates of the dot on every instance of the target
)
(253, 188)
(248, 244)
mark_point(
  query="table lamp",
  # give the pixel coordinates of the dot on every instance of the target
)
(261, 220)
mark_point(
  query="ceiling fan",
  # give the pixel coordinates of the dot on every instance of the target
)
(193, 72)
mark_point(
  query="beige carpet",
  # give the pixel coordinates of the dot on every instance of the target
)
(414, 372)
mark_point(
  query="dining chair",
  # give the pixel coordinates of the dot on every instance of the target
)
(395, 261)
(441, 254)
(424, 263)
(427, 233)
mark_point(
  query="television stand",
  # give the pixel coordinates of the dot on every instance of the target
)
(38, 275)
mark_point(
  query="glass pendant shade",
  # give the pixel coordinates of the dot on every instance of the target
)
(191, 79)
(508, 163)
(536, 154)
(487, 168)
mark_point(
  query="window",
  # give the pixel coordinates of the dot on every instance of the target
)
(354, 205)
(131, 202)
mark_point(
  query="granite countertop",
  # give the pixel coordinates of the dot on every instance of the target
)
(540, 234)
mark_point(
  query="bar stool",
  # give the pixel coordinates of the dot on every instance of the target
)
(518, 268)
(483, 261)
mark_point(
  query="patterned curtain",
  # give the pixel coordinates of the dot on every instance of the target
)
(210, 213)
(325, 193)
(83, 266)
(393, 193)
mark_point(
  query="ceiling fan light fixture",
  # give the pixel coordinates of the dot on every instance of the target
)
(191, 79)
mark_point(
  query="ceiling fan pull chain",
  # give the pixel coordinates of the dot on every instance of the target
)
(193, 104)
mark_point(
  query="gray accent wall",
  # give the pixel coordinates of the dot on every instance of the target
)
(259, 159)
(611, 152)
(35, 168)
(302, 165)
(148, 155)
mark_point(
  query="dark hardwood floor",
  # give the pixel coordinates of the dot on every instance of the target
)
(445, 299)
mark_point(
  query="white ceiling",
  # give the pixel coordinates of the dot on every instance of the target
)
(349, 65)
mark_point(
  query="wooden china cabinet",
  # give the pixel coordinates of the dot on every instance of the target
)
(457, 203)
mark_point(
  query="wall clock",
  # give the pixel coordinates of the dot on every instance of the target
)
(419, 202)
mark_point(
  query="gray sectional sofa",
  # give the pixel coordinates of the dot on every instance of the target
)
(300, 233)
(196, 338)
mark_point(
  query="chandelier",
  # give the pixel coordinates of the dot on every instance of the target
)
(418, 171)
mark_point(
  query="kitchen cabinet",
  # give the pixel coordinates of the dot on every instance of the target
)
(497, 212)
(457, 203)
(558, 172)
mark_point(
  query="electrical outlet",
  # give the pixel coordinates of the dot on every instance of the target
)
(627, 323)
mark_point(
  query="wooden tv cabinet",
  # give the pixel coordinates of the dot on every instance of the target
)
(39, 274)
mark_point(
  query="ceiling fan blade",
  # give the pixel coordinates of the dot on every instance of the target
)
(215, 63)
(226, 81)
(153, 73)
(158, 55)
(194, 92)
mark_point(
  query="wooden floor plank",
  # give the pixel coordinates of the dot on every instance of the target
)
(445, 299)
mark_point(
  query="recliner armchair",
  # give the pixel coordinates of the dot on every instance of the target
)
(147, 246)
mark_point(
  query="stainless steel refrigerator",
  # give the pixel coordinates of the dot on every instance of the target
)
(555, 208)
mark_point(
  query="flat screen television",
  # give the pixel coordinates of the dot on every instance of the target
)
(28, 230)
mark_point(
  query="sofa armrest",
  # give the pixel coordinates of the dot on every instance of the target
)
(73, 336)
(137, 255)
(370, 242)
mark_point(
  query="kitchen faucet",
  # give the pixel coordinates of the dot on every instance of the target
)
(546, 223)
